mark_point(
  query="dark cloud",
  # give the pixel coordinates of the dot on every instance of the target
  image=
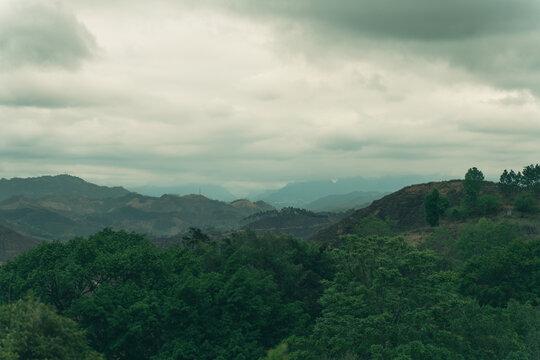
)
(412, 19)
(494, 40)
(42, 34)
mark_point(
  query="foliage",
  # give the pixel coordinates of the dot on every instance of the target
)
(526, 203)
(372, 225)
(473, 203)
(434, 206)
(443, 242)
(488, 205)
(474, 180)
(389, 301)
(480, 238)
(463, 293)
(473, 183)
(528, 178)
(455, 248)
(511, 272)
(457, 213)
(509, 181)
(30, 329)
(204, 300)
(279, 353)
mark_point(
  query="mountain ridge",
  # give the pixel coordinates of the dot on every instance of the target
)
(36, 187)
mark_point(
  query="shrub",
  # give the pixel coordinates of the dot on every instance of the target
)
(488, 204)
(457, 213)
(526, 203)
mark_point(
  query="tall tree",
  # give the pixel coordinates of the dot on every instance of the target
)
(474, 181)
(434, 206)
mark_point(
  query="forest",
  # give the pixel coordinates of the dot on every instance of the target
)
(468, 289)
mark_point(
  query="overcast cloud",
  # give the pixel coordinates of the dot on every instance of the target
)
(252, 94)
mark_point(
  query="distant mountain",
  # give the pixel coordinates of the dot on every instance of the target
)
(300, 194)
(64, 217)
(12, 243)
(336, 203)
(37, 187)
(215, 192)
(297, 222)
(259, 205)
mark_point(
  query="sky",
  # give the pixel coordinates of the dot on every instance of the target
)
(252, 94)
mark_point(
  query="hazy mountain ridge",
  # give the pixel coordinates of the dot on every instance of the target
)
(37, 187)
(210, 191)
(69, 214)
(66, 216)
(301, 194)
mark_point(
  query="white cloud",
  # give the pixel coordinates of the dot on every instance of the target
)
(183, 94)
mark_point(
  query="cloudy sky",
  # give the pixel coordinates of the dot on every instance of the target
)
(254, 93)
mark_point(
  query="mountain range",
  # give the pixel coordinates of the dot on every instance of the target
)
(62, 207)
(303, 194)
(66, 216)
(210, 191)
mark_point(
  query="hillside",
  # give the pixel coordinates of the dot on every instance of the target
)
(12, 243)
(352, 200)
(297, 222)
(62, 217)
(38, 187)
(211, 191)
(404, 208)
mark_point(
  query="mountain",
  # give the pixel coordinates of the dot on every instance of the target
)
(404, 209)
(37, 187)
(211, 191)
(12, 243)
(296, 222)
(65, 216)
(259, 205)
(353, 200)
(300, 194)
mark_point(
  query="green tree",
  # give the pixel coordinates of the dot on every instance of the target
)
(278, 353)
(484, 236)
(509, 181)
(474, 180)
(473, 183)
(434, 206)
(511, 272)
(531, 175)
(232, 299)
(30, 329)
(526, 203)
(488, 205)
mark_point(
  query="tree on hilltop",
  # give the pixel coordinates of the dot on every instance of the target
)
(434, 206)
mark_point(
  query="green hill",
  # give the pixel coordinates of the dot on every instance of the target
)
(38, 187)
